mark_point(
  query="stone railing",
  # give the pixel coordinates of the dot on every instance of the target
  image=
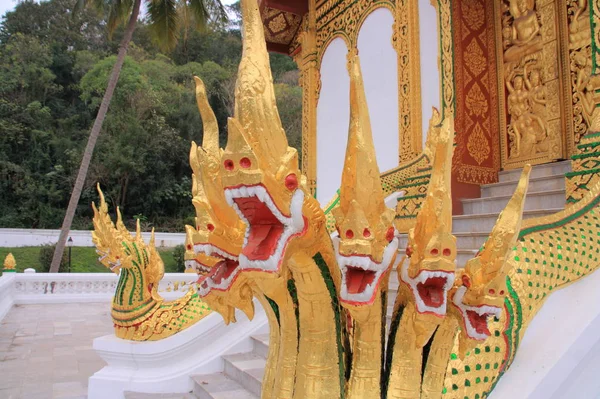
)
(40, 288)
(81, 238)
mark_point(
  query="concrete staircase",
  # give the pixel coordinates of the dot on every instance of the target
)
(243, 372)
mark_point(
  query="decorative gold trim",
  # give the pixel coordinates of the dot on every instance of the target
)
(406, 42)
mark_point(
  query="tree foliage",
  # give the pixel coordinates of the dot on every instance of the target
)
(54, 67)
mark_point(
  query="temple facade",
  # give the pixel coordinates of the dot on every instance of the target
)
(519, 76)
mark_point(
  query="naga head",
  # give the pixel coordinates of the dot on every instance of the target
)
(214, 245)
(238, 293)
(429, 272)
(367, 245)
(128, 256)
(260, 171)
(480, 288)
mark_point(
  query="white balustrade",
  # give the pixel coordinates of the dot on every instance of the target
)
(40, 288)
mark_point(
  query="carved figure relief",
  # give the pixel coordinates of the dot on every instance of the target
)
(580, 57)
(524, 36)
(530, 62)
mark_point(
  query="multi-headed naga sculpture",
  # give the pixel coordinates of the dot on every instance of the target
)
(138, 311)
(259, 234)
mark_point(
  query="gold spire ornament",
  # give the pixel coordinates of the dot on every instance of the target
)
(10, 264)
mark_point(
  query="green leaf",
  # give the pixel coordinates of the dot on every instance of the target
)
(164, 22)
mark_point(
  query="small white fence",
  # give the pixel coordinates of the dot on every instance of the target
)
(41, 288)
(81, 238)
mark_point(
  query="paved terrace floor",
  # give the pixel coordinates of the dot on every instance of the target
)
(46, 350)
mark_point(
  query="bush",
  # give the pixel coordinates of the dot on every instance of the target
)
(45, 257)
(178, 256)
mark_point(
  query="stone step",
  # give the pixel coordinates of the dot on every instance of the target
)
(260, 345)
(143, 395)
(219, 386)
(247, 369)
(535, 200)
(485, 221)
(552, 182)
(555, 168)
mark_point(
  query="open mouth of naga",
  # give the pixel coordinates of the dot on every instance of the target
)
(268, 230)
(430, 289)
(361, 276)
(475, 317)
(222, 274)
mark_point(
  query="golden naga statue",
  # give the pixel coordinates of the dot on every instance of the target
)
(367, 246)
(455, 328)
(138, 311)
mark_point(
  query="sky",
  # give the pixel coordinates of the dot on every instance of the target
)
(9, 5)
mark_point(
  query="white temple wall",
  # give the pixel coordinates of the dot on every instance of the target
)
(333, 116)
(430, 53)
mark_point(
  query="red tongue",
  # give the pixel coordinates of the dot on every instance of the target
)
(265, 228)
(432, 291)
(262, 241)
(479, 322)
(220, 271)
(357, 280)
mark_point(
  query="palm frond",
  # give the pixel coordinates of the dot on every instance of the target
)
(118, 13)
(164, 20)
(205, 11)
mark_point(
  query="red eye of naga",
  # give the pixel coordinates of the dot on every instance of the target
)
(409, 251)
(492, 291)
(366, 233)
(291, 182)
(349, 234)
(447, 252)
(389, 235)
(245, 163)
(210, 227)
(502, 292)
(434, 252)
(466, 281)
(189, 246)
(228, 164)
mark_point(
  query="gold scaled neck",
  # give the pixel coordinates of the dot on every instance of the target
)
(210, 139)
(360, 177)
(255, 106)
(503, 237)
(9, 262)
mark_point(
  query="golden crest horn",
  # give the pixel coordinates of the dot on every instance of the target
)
(436, 211)
(197, 185)
(504, 235)
(360, 177)
(255, 106)
(210, 139)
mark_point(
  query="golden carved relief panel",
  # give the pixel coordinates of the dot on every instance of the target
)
(532, 88)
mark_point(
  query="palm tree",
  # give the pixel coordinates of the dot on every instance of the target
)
(165, 25)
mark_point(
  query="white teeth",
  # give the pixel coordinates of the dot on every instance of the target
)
(229, 197)
(364, 263)
(422, 277)
(291, 225)
(490, 311)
